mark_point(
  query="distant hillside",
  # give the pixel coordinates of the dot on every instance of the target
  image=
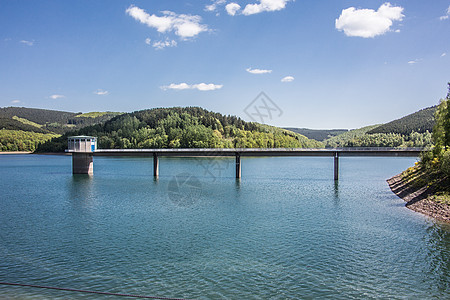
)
(342, 139)
(184, 127)
(24, 128)
(420, 121)
(317, 134)
(46, 121)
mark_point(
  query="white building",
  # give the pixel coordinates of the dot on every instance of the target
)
(82, 143)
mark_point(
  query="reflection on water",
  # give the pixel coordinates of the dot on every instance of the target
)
(285, 230)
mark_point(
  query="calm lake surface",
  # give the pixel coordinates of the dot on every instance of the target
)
(285, 231)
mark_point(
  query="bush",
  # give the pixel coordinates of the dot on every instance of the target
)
(445, 163)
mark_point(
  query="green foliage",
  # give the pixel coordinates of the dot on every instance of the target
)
(441, 130)
(96, 114)
(46, 121)
(435, 164)
(189, 127)
(342, 139)
(317, 134)
(18, 140)
(28, 122)
(11, 124)
(421, 122)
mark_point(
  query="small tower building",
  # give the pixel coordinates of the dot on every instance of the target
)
(82, 143)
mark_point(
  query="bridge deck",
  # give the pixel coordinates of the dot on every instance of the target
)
(198, 152)
(83, 164)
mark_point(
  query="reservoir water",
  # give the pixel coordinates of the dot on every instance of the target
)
(286, 230)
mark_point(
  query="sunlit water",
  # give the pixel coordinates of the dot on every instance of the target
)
(286, 230)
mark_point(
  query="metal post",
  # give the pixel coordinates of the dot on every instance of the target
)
(155, 165)
(336, 166)
(238, 166)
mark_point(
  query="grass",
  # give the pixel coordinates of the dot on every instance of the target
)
(28, 122)
(96, 114)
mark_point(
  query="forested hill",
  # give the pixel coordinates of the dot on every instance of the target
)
(23, 129)
(420, 121)
(188, 127)
(317, 134)
(48, 121)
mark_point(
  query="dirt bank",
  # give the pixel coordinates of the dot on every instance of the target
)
(419, 199)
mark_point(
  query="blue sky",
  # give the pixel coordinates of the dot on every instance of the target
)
(322, 63)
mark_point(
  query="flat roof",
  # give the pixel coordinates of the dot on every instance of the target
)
(81, 137)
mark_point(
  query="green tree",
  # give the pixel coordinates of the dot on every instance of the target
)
(441, 129)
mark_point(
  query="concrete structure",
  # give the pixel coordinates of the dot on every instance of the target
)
(82, 149)
(239, 152)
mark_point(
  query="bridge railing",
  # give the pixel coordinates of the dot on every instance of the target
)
(378, 149)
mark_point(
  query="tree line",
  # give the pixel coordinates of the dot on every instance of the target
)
(189, 127)
(19, 140)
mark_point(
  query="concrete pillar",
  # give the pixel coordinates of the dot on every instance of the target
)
(336, 166)
(83, 163)
(238, 165)
(155, 165)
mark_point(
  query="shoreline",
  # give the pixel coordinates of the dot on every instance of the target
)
(29, 152)
(15, 152)
(419, 199)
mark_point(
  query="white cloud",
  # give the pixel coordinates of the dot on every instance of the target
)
(148, 41)
(443, 54)
(199, 86)
(412, 62)
(207, 87)
(16, 101)
(101, 92)
(56, 96)
(28, 43)
(258, 71)
(368, 23)
(264, 5)
(287, 79)
(213, 6)
(445, 17)
(232, 8)
(185, 26)
(159, 45)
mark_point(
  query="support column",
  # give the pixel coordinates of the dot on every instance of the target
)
(336, 166)
(82, 163)
(238, 166)
(155, 165)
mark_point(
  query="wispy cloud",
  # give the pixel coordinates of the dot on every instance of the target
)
(199, 86)
(264, 5)
(56, 96)
(159, 45)
(101, 92)
(214, 5)
(287, 79)
(28, 43)
(232, 8)
(368, 23)
(413, 62)
(148, 41)
(16, 101)
(184, 26)
(443, 54)
(445, 17)
(258, 71)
